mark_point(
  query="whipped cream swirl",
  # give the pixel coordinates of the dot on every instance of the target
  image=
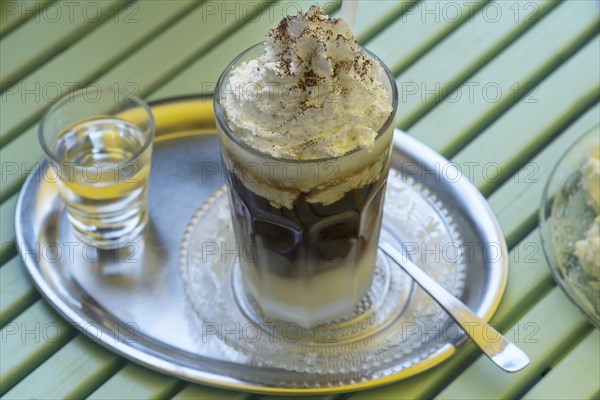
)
(313, 94)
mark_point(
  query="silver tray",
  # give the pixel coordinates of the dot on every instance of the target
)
(133, 300)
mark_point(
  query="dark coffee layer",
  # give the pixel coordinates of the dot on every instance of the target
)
(308, 238)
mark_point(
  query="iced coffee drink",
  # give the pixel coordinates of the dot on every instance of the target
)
(306, 123)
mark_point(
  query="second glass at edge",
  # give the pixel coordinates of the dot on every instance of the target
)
(311, 263)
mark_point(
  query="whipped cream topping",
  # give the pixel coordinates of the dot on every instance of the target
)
(314, 93)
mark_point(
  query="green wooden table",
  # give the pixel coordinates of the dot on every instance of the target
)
(501, 88)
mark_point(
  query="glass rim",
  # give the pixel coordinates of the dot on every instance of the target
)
(219, 115)
(148, 139)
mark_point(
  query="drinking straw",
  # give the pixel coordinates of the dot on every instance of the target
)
(348, 12)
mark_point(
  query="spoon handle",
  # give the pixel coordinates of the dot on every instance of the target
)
(499, 349)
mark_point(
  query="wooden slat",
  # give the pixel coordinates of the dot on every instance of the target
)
(136, 382)
(460, 55)
(16, 292)
(528, 126)
(15, 13)
(83, 62)
(28, 340)
(529, 278)
(322, 397)
(197, 392)
(53, 33)
(7, 228)
(70, 373)
(523, 191)
(208, 68)
(501, 83)
(373, 15)
(417, 31)
(565, 380)
(207, 30)
(544, 333)
(202, 75)
(517, 200)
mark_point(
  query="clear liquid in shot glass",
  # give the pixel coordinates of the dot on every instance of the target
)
(103, 178)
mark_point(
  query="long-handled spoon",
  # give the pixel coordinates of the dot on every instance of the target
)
(499, 349)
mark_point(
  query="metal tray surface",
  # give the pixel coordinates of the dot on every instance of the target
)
(132, 300)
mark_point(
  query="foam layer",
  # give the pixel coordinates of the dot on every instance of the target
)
(314, 93)
(323, 182)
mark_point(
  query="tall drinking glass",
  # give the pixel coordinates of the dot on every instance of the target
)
(99, 143)
(304, 259)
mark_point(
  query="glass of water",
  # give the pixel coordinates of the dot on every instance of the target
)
(99, 144)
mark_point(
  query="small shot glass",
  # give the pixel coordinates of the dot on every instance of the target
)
(99, 143)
